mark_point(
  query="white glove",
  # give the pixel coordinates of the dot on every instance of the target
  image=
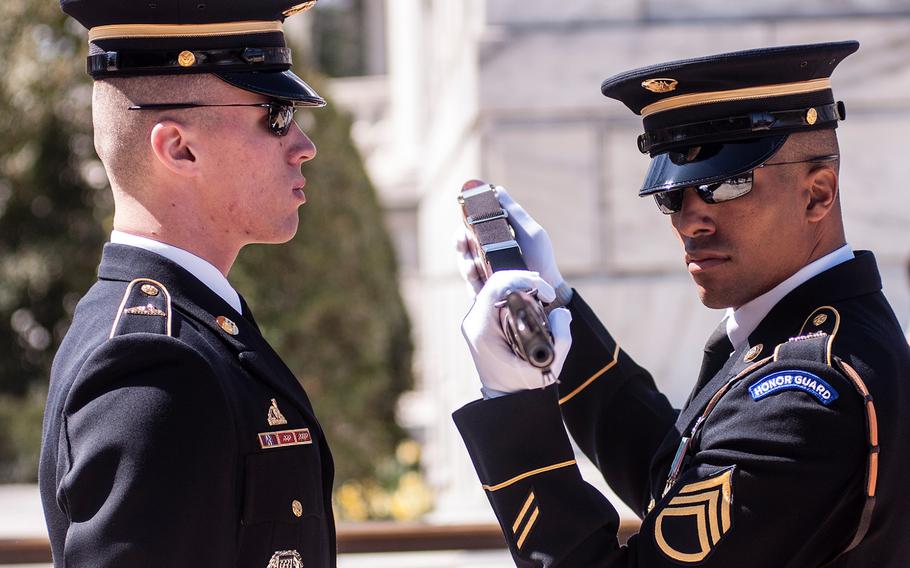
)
(536, 248)
(501, 371)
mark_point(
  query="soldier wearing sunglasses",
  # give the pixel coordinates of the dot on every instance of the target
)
(792, 448)
(174, 435)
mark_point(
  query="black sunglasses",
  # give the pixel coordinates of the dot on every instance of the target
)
(670, 202)
(280, 119)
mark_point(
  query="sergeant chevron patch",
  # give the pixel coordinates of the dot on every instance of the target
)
(530, 505)
(695, 520)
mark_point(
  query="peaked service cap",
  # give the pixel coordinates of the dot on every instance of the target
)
(240, 41)
(712, 118)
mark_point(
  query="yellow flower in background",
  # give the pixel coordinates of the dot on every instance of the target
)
(412, 498)
(408, 453)
(350, 502)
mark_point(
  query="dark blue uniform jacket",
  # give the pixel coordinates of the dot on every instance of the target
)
(175, 436)
(792, 434)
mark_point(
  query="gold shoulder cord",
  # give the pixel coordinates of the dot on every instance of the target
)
(868, 407)
(872, 458)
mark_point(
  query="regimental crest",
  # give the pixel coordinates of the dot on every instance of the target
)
(286, 559)
(660, 84)
(276, 418)
(696, 519)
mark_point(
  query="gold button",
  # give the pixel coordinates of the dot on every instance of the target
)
(820, 319)
(812, 116)
(149, 290)
(227, 325)
(297, 508)
(186, 58)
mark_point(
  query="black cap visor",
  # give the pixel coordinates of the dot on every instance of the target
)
(283, 85)
(710, 163)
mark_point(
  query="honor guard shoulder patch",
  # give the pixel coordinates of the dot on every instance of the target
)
(793, 380)
(145, 308)
(692, 524)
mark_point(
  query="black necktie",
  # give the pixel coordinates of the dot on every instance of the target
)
(717, 352)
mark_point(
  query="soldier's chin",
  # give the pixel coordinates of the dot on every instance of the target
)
(280, 233)
(714, 298)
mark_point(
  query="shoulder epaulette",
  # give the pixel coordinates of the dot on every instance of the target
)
(815, 338)
(146, 308)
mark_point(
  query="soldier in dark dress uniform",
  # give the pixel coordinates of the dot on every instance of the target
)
(174, 435)
(792, 447)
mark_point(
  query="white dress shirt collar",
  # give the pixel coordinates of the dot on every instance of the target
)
(203, 270)
(742, 321)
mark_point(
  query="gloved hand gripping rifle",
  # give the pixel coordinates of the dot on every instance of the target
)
(492, 244)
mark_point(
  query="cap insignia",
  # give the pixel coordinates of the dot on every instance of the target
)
(276, 418)
(286, 559)
(302, 7)
(186, 58)
(660, 85)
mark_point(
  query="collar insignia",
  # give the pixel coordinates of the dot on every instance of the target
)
(227, 325)
(753, 353)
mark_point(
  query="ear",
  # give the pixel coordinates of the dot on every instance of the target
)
(171, 144)
(822, 188)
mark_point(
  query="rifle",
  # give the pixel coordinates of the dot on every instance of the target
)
(492, 244)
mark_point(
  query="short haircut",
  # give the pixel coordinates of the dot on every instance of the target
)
(811, 144)
(122, 136)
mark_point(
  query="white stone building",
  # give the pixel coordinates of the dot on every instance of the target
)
(508, 91)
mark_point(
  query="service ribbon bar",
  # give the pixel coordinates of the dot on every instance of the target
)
(285, 438)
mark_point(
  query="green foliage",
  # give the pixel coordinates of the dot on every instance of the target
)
(328, 300)
(50, 235)
(20, 435)
(329, 303)
(338, 38)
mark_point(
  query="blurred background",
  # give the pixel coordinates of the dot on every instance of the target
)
(365, 303)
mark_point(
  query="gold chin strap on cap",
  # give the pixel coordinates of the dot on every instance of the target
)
(119, 31)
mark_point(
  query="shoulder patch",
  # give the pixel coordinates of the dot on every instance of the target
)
(794, 380)
(146, 307)
(692, 524)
